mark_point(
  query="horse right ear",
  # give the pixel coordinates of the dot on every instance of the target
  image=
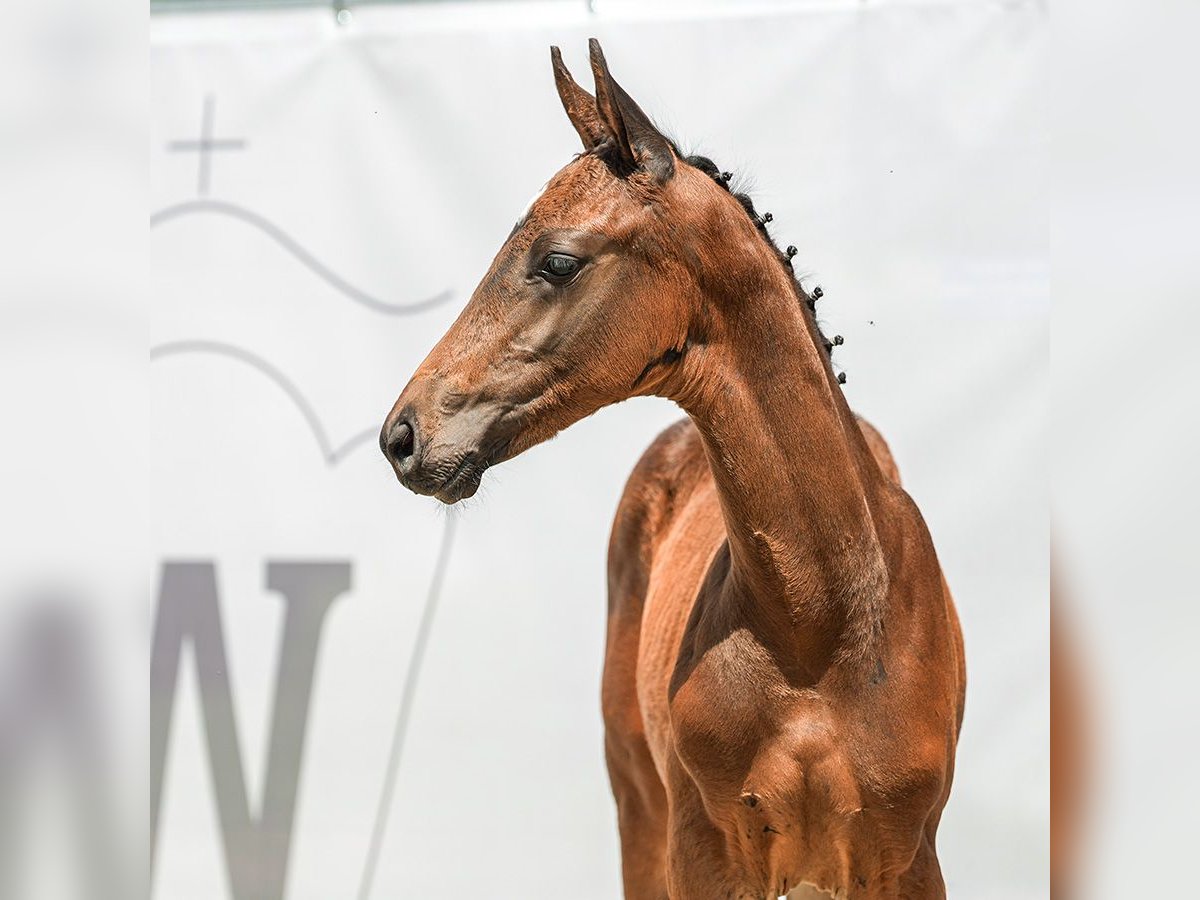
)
(637, 143)
(579, 104)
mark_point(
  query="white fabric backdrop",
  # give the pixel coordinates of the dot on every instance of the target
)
(900, 146)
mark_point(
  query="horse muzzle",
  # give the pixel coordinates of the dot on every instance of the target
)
(449, 470)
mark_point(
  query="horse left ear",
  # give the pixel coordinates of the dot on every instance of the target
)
(636, 143)
(580, 106)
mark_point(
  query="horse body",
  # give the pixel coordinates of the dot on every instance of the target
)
(774, 783)
(783, 684)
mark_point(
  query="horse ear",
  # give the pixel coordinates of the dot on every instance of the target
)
(635, 140)
(579, 104)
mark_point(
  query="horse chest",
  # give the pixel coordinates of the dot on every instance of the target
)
(738, 727)
(779, 786)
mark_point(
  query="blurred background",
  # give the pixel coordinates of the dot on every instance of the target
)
(355, 692)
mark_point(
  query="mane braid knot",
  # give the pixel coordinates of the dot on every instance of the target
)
(709, 168)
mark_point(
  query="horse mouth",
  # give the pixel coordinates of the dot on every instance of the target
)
(453, 479)
(463, 481)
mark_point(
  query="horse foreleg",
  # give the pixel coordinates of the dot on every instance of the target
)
(641, 815)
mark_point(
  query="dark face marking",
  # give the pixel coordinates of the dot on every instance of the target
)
(880, 674)
(668, 358)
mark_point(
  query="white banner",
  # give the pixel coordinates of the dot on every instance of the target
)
(359, 694)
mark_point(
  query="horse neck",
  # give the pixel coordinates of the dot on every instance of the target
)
(795, 478)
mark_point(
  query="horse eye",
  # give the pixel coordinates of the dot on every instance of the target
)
(560, 267)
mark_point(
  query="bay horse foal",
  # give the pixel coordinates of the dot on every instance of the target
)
(784, 679)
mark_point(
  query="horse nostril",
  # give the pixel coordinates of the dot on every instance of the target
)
(400, 443)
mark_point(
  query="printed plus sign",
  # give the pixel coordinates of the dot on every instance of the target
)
(206, 144)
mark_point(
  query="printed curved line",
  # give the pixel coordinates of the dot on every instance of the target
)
(292, 246)
(331, 454)
(407, 696)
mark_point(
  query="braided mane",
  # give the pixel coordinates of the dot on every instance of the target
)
(709, 168)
